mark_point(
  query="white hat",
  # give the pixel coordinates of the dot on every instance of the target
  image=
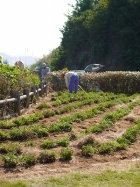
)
(44, 65)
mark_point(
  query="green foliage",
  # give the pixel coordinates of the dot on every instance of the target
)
(104, 148)
(60, 127)
(10, 160)
(62, 142)
(15, 79)
(3, 135)
(21, 133)
(43, 105)
(39, 131)
(5, 124)
(27, 160)
(30, 143)
(48, 113)
(47, 157)
(117, 82)
(66, 154)
(108, 178)
(87, 150)
(47, 144)
(100, 31)
(10, 147)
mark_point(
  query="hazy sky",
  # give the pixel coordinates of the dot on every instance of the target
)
(31, 27)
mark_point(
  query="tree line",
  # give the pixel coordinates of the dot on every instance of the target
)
(99, 31)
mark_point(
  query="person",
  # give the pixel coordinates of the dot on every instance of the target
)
(71, 80)
(45, 70)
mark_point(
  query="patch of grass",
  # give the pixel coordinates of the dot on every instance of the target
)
(6, 183)
(27, 160)
(64, 142)
(10, 160)
(47, 157)
(66, 154)
(87, 150)
(30, 143)
(43, 105)
(10, 147)
(106, 179)
(47, 144)
(3, 135)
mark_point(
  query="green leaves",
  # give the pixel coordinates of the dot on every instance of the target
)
(15, 79)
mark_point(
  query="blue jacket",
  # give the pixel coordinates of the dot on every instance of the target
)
(44, 71)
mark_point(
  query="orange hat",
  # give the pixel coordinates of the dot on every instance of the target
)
(62, 75)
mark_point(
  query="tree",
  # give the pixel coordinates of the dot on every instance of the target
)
(100, 31)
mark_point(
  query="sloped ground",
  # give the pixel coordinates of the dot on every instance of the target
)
(120, 160)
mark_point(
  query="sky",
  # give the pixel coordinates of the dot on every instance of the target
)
(32, 27)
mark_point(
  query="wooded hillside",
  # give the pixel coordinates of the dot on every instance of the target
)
(100, 31)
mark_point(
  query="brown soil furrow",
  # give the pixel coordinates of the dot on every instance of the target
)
(119, 127)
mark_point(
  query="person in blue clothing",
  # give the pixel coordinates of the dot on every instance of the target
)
(45, 70)
(71, 80)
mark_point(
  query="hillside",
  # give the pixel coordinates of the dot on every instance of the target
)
(27, 60)
(102, 32)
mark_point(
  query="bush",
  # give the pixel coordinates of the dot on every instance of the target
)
(66, 154)
(10, 160)
(87, 150)
(28, 160)
(47, 157)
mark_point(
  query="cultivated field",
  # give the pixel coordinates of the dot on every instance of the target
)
(62, 133)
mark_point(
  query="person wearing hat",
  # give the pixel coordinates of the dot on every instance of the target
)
(71, 80)
(45, 70)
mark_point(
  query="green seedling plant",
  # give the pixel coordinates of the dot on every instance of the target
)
(5, 124)
(64, 142)
(104, 148)
(27, 160)
(6, 148)
(43, 105)
(35, 117)
(39, 131)
(10, 160)
(30, 143)
(3, 135)
(56, 103)
(87, 150)
(60, 127)
(47, 144)
(48, 113)
(24, 133)
(20, 121)
(28, 120)
(47, 157)
(66, 154)
(21, 133)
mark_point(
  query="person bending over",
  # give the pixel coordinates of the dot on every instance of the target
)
(71, 80)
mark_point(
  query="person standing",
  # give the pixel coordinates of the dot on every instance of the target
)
(45, 70)
(71, 80)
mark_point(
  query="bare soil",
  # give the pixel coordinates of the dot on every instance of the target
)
(121, 160)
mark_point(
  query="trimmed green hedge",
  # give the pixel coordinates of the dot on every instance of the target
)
(117, 82)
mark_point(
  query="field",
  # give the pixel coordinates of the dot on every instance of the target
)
(64, 133)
